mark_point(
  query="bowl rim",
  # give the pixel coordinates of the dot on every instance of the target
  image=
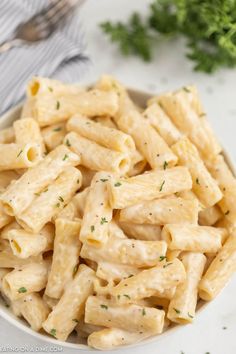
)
(5, 120)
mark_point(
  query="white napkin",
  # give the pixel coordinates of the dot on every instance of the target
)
(61, 56)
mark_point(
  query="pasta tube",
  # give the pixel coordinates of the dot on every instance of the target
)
(108, 137)
(134, 318)
(150, 282)
(220, 270)
(53, 135)
(27, 279)
(126, 251)
(97, 213)
(204, 186)
(148, 186)
(148, 141)
(183, 305)
(145, 232)
(19, 195)
(193, 237)
(7, 135)
(162, 211)
(68, 311)
(50, 202)
(97, 157)
(13, 156)
(65, 256)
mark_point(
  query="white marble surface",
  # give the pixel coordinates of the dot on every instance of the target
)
(168, 70)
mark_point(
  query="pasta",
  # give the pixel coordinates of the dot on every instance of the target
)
(117, 215)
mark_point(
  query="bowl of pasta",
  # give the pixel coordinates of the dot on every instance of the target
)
(116, 213)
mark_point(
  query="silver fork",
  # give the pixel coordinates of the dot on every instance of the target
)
(41, 25)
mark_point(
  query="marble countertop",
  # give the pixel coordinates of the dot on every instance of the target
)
(214, 329)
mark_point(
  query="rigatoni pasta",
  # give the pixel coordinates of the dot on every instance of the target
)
(123, 223)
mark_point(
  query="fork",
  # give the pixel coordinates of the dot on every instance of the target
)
(41, 25)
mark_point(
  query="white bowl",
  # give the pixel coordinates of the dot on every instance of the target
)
(140, 97)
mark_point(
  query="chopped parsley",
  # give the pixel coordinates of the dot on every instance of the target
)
(186, 89)
(128, 297)
(177, 311)
(117, 184)
(57, 129)
(53, 332)
(75, 269)
(189, 315)
(61, 199)
(65, 157)
(143, 312)
(19, 153)
(58, 105)
(103, 179)
(165, 165)
(166, 265)
(197, 181)
(68, 142)
(57, 205)
(161, 258)
(38, 194)
(161, 187)
(118, 296)
(104, 307)
(103, 221)
(22, 290)
(50, 89)
(92, 228)
(75, 320)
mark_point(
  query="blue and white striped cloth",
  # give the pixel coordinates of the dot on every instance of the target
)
(61, 56)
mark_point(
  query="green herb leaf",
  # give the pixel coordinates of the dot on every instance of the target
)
(165, 165)
(128, 297)
(103, 179)
(57, 129)
(197, 181)
(75, 320)
(19, 153)
(53, 332)
(61, 199)
(161, 187)
(22, 290)
(186, 89)
(117, 184)
(92, 228)
(75, 269)
(189, 315)
(68, 142)
(177, 311)
(57, 205)
(103, 221)
(143, 312)
(167, 265)
(104, 307)
(58, 105)
(65, 157)
(50, 89)
(161, 258)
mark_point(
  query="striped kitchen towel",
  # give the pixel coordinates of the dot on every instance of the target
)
(61, 56)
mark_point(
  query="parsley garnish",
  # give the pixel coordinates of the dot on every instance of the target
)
(117, 184)
(128, 297)
(57, 205)
(50, 89)
(186, 89)
(104, 307)
(189, 315)
(92, 228)
(53, 332)
(197, 181)
(75, 320)
(210, 38)
(177, 311)
(58, 105)
(161, 258)
(118, 296)
(61, 199)
(65, 157)
(19, 153)
(103, 221)
(75, 269)
(22, 290)
(165, 165)
(161, 187)
(68, 143)
(103, 179)
(57, 129)
(166, 265)
(143, 312)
